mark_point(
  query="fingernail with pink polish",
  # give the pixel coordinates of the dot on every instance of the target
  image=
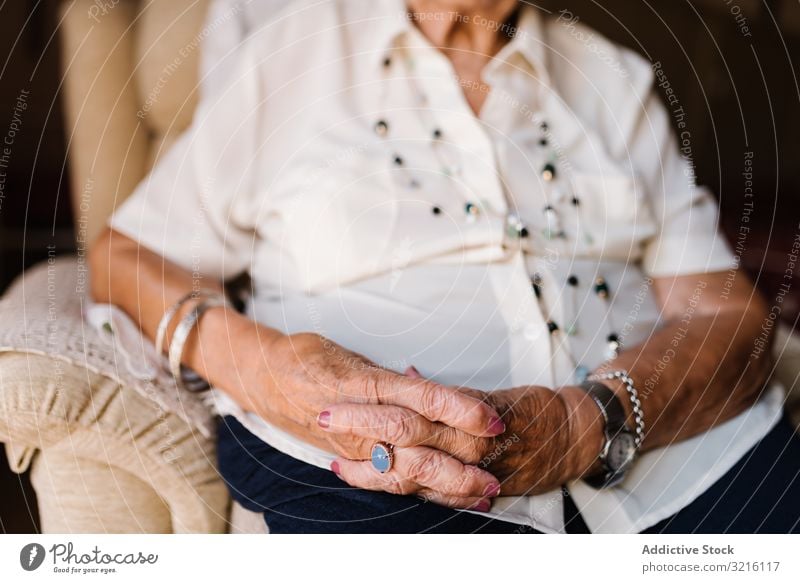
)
(482, 506)
(335, 467)
(324, 419)
(412, 372)
(492, 490)
(496, 426)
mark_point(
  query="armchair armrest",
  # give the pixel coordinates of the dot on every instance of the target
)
(82, 419)
(63, 392)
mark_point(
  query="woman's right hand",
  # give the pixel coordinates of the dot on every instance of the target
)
(291, 379)
(294, 381)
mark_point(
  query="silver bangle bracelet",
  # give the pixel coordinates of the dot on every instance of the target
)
(168, 316)
(185, 327)
(633, 394)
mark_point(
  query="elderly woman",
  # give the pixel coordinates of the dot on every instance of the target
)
(486, 293)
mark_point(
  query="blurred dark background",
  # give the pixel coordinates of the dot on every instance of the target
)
(730, 64)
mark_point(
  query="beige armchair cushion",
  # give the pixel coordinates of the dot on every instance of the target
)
(108, 455)
(168, 38)
(101, 498)
(130, 88)
(70, 408)
(154, 470)
(107, 143)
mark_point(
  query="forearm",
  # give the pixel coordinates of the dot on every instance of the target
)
(144, 285)
(691, 377)
(140, 282)
(701, 368)
(698, 370)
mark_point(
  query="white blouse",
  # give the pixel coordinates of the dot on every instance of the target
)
(341, 165)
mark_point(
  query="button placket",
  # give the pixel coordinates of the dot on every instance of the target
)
(530, 349)
(462, 131)
(548, 286)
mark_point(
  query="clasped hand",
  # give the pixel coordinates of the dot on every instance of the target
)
(452, 446)
(452, 467)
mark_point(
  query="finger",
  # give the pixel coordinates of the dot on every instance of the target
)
(478, 504)
(413, 373)
(400, 427)
(436, 470)
(437, 402)
(362, 475)
(416, 468)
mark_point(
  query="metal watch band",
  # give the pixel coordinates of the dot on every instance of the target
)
(633, 394)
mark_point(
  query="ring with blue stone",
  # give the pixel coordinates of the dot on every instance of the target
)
(382, 456)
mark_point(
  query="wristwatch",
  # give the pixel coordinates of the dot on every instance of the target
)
(621, 446)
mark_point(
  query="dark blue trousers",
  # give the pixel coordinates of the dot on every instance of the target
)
(760, 494)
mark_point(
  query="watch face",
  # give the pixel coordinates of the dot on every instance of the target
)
(621, 451)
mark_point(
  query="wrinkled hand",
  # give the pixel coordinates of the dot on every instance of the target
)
(293, 378)
(429, 474)
(431, 460)
(551, 438)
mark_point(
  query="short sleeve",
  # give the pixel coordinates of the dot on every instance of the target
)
(192, 207)
(687, 240)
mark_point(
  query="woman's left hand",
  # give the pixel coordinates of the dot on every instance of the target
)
(551, 437)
